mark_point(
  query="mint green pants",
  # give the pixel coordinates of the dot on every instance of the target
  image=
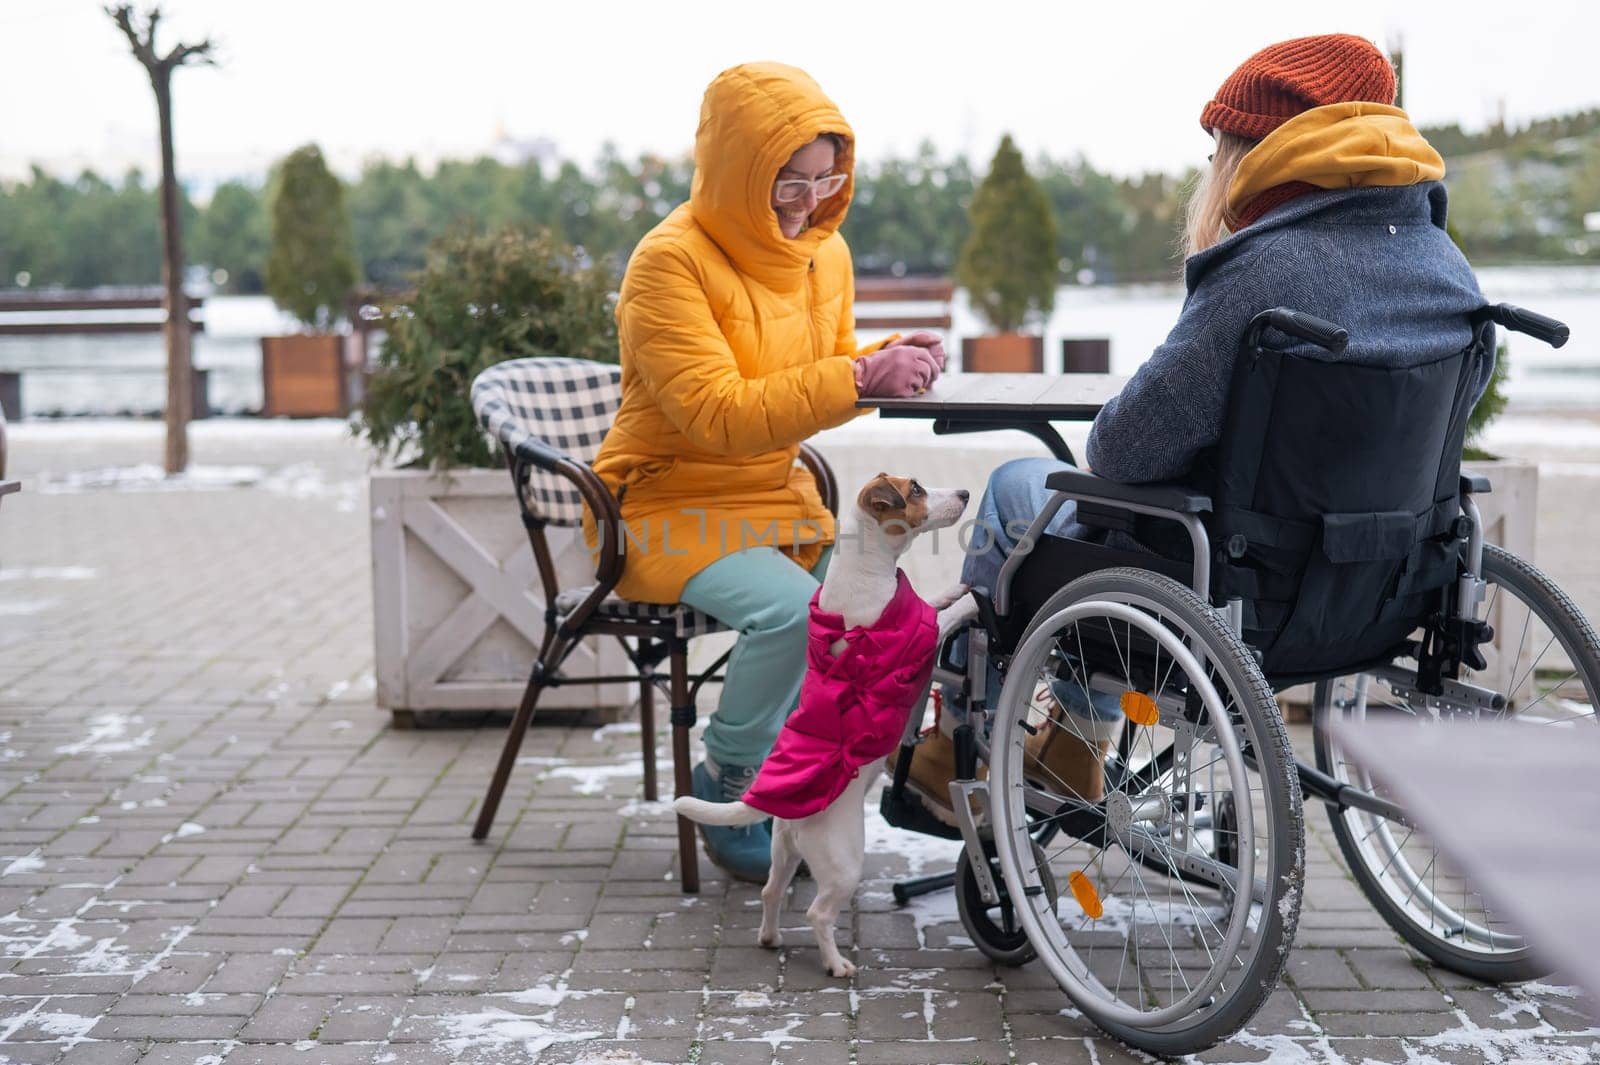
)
(761, 594)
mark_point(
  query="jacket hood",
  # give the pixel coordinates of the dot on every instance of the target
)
(1339, 146)
(754, 117)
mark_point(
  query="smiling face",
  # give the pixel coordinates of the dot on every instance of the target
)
(809, 163)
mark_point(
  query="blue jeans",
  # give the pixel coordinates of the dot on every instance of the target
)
(1013, 497)
(763, 595)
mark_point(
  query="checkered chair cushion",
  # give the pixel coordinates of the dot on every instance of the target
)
(566, 404)
(689, 621)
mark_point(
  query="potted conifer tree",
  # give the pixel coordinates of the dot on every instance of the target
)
(310, 272)
(1008, 266)
(458, 606)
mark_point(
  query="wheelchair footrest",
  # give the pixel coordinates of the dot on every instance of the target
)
(907, 811)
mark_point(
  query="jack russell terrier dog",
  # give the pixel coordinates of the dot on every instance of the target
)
(869, 654)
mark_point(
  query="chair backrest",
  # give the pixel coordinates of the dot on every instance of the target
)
(566, 404)
(1335, 500)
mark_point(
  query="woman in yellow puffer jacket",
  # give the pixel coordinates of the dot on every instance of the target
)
(738, 342)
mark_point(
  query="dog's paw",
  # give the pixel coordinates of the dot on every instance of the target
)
(844, 967)
(950, 596)
(770, 940)
(950, 618)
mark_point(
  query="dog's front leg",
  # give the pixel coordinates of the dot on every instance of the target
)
(960, 610)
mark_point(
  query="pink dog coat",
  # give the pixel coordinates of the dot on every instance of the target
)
(853, 707)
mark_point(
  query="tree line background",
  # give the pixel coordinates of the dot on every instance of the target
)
(1517, 194)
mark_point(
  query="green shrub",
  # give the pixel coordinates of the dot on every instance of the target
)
(480, 300)
(1008, 265)
(1490, 404)
(310, 268)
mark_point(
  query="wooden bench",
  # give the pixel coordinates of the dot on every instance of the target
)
(112, 302)
(925, 302)
(90, 312)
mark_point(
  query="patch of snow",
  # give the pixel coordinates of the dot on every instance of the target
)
(69, 1026)
(752, 1000)
(615, 728)
(640, 808)
(47, 573)
(492, 1030)
(31, 862)
(188, 828)
(592, 779)
(147, 477)
(106, 734)
(776, 1037)
(918, 850)
(21, 608)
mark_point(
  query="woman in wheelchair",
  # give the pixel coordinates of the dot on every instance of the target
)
(1275, 500)
(1321, 196)
(738, 342)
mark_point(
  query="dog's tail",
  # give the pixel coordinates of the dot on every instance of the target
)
(717, 813)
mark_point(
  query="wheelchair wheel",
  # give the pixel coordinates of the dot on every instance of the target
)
(1548, 668)
(1155, 938)
(995, 930)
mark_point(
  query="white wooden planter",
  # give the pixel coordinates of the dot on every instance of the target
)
(458, 608)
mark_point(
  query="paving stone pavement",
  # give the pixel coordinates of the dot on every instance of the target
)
(215, 848)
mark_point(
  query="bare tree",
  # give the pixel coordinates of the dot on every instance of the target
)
(180, 367)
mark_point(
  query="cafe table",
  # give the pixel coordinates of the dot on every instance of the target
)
(1030, 402)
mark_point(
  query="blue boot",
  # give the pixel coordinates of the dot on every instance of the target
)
(743, 852)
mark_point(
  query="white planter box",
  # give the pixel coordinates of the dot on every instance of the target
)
(458, 610)
(1510, 513)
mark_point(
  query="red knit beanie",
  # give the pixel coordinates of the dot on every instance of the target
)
(1284, 79)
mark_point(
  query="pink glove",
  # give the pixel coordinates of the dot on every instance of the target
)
(931, 342)
(895, 372)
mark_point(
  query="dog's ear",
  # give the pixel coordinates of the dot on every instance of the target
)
(881, 496)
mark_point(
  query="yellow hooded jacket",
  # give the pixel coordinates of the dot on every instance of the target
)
(737, 344)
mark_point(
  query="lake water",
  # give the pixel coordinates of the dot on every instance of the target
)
(121, 374)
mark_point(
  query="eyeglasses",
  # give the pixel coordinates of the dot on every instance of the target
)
(791, 189)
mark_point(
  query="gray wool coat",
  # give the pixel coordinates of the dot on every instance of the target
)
(1376, 261)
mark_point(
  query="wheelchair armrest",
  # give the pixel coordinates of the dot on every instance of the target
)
(1080, 484)
(1474, 484)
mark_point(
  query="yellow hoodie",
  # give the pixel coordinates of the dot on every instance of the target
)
(737, 345)
(1338, 146)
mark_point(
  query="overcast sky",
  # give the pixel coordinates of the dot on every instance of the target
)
(1121, 81)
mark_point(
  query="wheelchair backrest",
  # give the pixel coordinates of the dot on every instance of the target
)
(1335, 501)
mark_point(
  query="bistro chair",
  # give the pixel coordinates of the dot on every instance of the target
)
(549, 416)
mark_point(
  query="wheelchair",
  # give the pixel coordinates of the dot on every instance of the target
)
(1341, 548)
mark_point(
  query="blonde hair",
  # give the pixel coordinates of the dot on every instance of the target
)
(1208, 219)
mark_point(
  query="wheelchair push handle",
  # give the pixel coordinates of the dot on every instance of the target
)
(1548, 330)
(1313, 330)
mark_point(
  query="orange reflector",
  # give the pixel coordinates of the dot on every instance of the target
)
(1140, 708)
(1086, 895)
